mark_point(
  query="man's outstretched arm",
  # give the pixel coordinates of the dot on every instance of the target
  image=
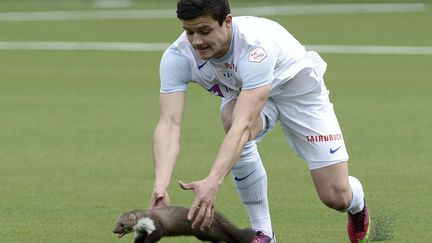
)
(166, 145)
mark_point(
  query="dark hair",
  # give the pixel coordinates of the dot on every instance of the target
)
(192, 9)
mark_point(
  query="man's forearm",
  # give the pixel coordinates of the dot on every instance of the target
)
(245, 116)
(166, 145)
(229, 152)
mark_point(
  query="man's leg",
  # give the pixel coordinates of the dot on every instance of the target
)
(251, 181)
(341, 192)
(337, 190)
(312, 129)
(250, 177)
(332, 185)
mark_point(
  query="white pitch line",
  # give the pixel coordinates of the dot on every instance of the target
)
(74, 46)
(112, 3)
(309, 9)
(316, 9)
(158, 47)
(378, 50)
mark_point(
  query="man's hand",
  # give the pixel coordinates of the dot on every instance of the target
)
(205, 197)
(158, 200)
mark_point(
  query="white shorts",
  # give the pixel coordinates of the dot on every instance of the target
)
(307, 118)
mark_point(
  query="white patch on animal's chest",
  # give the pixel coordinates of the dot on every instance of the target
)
(145, 224)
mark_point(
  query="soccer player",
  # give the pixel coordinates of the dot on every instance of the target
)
(263, 75)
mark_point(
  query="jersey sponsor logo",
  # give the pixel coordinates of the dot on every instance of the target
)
(257, 55)
(324, 138)
(216, 90)
(222, 91)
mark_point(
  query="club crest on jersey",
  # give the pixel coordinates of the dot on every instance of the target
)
(257, 55)
(229, 70)
(227, 74)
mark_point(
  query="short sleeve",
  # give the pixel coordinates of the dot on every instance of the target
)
(175, 71)
(256, 67)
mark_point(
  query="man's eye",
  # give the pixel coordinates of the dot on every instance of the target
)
(202, 32)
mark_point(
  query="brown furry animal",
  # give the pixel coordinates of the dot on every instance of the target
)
(150, 226)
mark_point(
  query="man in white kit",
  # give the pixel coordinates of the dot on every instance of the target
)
(263, 75)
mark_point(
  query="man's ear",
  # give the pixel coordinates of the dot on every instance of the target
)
(228, 21)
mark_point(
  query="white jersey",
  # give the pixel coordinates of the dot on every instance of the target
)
(262, 52)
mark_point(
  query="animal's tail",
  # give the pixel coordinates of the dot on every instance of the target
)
(246, 235)
(238, 235)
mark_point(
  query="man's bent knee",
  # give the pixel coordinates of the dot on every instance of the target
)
(336, 198)
(332, 185)
(227, 120)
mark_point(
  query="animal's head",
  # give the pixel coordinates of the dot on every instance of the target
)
(125, 224)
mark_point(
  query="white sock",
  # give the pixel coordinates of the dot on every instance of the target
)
(357, 202)
(251, 181)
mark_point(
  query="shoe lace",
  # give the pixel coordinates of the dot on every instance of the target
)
(358, 221)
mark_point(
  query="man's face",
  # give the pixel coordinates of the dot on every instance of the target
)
(207, 37)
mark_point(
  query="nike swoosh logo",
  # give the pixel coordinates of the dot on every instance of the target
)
(242, 178)
(335, 150)
(202, 65)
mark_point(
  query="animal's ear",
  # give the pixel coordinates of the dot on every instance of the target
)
(133, 217)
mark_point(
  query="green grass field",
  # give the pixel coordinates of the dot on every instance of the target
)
(76, 128)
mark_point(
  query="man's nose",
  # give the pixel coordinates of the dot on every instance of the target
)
(197, 39)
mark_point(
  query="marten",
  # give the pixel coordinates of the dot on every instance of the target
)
(150, 226)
